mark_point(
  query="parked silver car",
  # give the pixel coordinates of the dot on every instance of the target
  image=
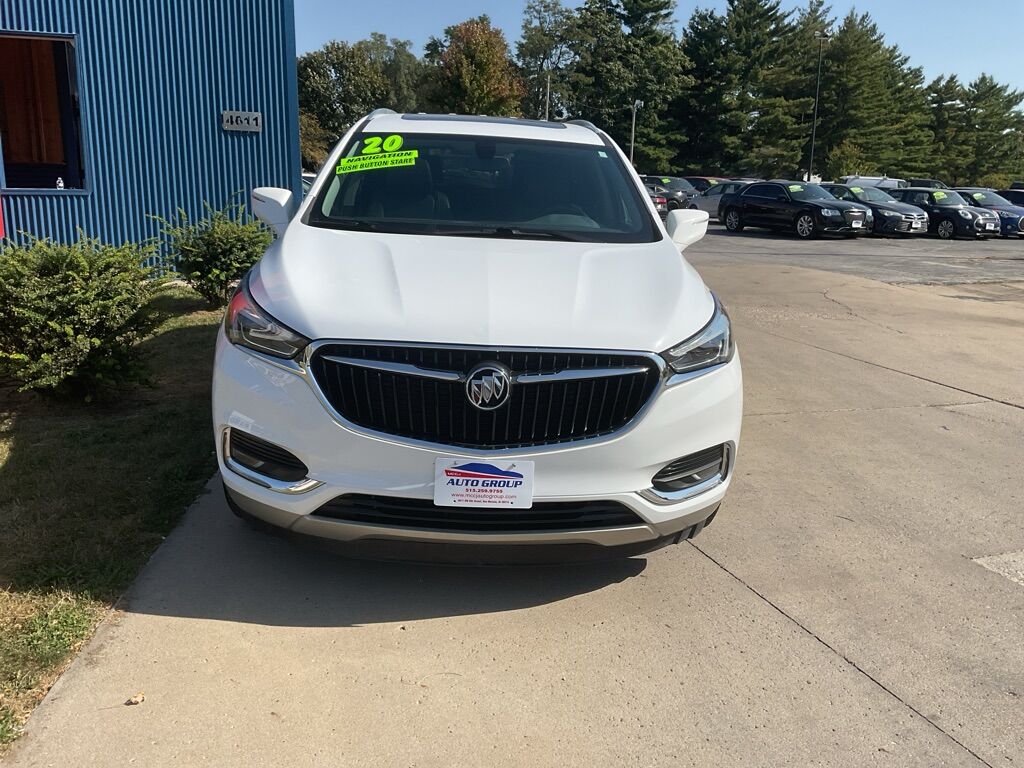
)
(708, 199)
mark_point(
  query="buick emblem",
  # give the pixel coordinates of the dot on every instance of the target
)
(488, 386)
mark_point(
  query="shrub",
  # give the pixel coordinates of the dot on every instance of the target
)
(70, 315)
(214, 252)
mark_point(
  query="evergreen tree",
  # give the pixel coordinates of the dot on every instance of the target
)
(616, 65)
(761, 35)
(993, 125)
(706, 111)
(949, 127)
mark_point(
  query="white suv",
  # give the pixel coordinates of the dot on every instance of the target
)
(476, 332)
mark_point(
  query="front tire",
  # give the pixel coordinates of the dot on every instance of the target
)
(804, 226)
(733, 220)
(946, 229)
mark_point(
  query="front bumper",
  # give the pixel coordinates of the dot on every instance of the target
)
(900, 225)
(279, 405)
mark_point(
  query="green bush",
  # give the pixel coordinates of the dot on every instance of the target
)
(214, 252)
(70, 315)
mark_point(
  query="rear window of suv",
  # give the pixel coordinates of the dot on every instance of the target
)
(483, 186)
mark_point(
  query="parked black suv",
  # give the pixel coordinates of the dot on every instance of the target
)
(948, 213)
(806, 209)
(891, 216)
(1015, 196)
(928, 183)
(679, 192)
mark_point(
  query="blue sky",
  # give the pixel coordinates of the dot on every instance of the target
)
(942, 36)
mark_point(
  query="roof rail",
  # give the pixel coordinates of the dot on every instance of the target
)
(382, 111)
(585, 124)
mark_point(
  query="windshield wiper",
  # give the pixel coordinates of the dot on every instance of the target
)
(360, 224)
(511, 233)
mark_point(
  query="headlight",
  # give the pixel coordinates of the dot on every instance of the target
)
(829, 212)
(891, 214)
(1007, 215)
(248, 325)
(964, 213)
(712, 346)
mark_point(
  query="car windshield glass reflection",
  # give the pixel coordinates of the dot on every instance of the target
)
(472, 186)
(872, 195)
(947, 197)
(989, 198)
(808, 192)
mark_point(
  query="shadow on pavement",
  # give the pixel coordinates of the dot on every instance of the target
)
(215, 567)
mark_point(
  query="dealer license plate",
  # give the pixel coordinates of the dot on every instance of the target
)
(476, 483)
(857, 224)
(990, 226)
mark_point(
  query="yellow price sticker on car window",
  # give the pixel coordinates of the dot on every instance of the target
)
(375, 162)
(978, 195)
(856, 189)
(939, 195)
(373, 145)
(795, 188)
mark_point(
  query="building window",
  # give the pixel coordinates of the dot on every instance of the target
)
(40, 133)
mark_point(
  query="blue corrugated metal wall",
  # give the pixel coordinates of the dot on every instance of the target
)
(153, 78)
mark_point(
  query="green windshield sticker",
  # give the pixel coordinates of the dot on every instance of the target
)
(858, 190)
(372, 145)
(374, 162)
(938, 195)
(978, 195)
(664, 180)
(602, 153)
(795, 188)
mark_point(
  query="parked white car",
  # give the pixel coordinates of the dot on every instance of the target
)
(449, 344)
(708, 200)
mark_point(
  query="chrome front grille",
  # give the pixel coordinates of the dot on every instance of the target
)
(419, 392)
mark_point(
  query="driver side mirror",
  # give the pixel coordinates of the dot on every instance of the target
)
(273, 206)
(686, 227)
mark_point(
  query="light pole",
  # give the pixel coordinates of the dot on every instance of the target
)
(637, 104)
(822, 38)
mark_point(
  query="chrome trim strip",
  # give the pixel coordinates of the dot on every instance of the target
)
(394, 367)
(278, 486)
(680, 378)
(664, 498)
(579, 374)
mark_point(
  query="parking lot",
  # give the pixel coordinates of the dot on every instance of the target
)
(858, 601)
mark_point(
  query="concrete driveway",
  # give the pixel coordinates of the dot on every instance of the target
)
(854, 604)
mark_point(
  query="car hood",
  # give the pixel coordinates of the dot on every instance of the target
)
(839, 205)
(1016, 210)
(327, 283)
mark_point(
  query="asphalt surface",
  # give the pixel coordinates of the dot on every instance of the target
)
(859, 600)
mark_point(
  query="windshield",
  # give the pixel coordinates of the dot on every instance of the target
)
(808, 192)
(948, 197)
(988, 198)
(481, 186)
(674, 184)
(872, 195)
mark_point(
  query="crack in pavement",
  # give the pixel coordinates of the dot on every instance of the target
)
(859, 316)
(1019, 406)
(876, 408)
(845, 658)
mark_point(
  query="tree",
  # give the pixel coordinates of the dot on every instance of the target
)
(399, 66)
(314, 141)
(847, 159)
(706, 112)
(760, 36)
(338, 84)
(470, 72)
(993, 125)
(616, 64)
(543, 54)
(949, 126)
